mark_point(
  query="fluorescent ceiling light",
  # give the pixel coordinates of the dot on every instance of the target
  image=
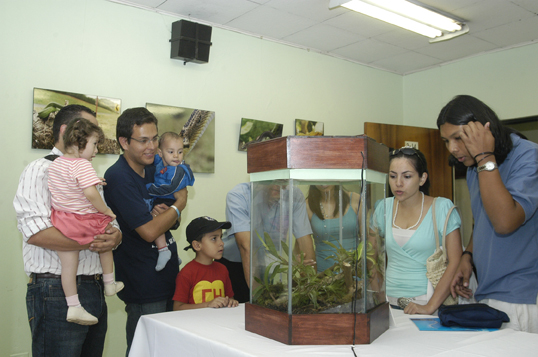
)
(403, 14)
(418, 13)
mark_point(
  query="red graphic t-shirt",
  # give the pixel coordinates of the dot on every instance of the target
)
(198, 283)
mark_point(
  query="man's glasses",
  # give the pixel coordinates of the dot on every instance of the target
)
(146, 141)
(407, 151)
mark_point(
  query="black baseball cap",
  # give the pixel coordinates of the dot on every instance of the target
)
(202, 225)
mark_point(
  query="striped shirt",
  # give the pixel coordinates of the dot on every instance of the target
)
(32, 205)
(67, 179)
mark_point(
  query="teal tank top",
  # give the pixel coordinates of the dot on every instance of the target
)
(328, 230)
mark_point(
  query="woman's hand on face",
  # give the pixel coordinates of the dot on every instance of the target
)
(477, 138)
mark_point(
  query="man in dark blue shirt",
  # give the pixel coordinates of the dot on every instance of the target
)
(146, 290)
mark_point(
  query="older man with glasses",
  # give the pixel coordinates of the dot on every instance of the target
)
(146, 291)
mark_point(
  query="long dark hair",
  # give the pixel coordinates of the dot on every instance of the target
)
(417, 160)
(463, 109)
(314, 199)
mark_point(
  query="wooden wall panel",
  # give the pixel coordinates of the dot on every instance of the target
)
(430, 144)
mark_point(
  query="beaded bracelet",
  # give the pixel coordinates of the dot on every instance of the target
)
(483, 153)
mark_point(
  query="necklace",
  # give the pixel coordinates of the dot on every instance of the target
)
(419, 218)
(323, 210)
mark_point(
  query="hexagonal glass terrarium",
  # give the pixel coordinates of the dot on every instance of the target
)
(341, 299)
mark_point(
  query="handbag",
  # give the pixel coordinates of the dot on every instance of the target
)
(472, 315)
(437, 262)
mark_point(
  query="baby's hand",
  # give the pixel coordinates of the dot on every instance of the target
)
(109, 213)
(219, 302)
(103, 181)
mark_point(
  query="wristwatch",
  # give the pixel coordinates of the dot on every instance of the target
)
(488, 166)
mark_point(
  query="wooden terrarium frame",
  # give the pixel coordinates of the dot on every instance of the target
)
(297, 154)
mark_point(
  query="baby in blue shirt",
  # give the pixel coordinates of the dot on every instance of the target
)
(171, 175)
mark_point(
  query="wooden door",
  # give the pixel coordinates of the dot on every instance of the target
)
(429, 143)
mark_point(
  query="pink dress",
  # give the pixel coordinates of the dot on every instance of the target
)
(72, 213)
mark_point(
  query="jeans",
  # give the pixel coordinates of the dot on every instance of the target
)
(134, 311)
(52, 335)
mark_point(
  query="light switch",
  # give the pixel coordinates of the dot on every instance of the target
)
(413, 144)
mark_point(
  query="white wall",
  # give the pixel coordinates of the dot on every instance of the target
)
(103, 48)
(98, 47)
(505, 80)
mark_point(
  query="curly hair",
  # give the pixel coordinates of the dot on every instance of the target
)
(66, 115)
(79, 130)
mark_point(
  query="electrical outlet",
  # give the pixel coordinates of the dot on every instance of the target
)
(413, 144)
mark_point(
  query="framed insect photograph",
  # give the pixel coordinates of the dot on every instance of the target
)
(197, 127)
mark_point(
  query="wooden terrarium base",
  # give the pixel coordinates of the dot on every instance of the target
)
(317, 329)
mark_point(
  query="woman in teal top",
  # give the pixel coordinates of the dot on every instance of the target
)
(409, 235)
(323, 207)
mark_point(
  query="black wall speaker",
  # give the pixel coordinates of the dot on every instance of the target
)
(190, 41)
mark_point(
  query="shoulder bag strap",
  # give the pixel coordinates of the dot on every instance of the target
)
(446, 223)
(435, 224)
(51, 157)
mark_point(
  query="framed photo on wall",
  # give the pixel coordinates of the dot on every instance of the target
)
(48, 102)
(308, 128)
(253, 131)
(198, 129)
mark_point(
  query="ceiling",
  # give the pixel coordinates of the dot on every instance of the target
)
(310, 24)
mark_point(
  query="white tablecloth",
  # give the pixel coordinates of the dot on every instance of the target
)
(221, 332)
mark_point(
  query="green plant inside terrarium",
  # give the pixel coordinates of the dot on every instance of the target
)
(313, 292)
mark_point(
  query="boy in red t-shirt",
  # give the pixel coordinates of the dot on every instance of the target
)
(204, 282)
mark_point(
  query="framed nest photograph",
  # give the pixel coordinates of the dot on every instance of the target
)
(48, 102)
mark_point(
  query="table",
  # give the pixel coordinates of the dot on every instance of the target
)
(221, 332)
